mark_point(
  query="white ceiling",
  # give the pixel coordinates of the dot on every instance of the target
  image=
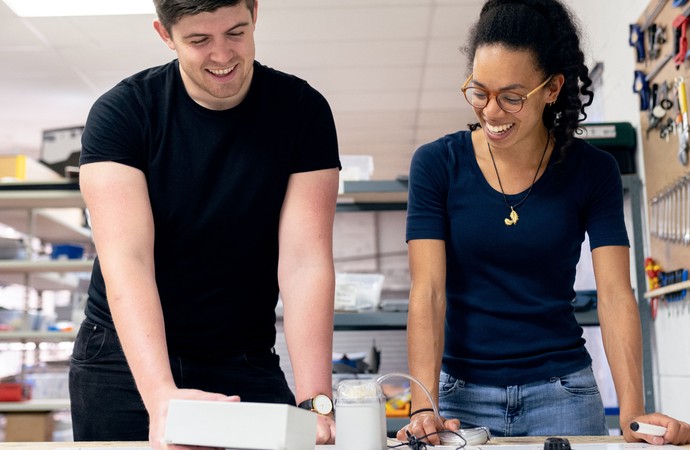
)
(391, 69)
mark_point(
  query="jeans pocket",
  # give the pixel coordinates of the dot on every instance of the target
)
(262, 361)
(89, 342)
(581, 382)
(448, 383)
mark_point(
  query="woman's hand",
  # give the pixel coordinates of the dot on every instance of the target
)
(677, 432)
(424, 423)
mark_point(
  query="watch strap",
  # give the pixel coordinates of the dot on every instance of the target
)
(308, 404)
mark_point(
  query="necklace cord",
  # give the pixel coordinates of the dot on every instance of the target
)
(534, 180)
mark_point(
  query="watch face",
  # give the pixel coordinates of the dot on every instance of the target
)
(322, 404)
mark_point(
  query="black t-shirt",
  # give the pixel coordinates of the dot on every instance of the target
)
(216, 180)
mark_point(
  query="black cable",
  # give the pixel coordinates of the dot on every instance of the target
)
(416, 443)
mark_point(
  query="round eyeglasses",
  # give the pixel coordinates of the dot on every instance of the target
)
(510, 102)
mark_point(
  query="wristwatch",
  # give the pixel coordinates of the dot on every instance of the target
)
(320, 404)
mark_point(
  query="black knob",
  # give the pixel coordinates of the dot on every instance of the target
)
(554, 443)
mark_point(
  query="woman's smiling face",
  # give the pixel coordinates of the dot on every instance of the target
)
(500, 69)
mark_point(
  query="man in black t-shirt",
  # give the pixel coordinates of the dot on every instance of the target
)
(211, 183)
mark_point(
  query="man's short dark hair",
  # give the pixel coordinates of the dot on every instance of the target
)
(171, 11)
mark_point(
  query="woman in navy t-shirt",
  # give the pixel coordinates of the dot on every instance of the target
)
(496, 220)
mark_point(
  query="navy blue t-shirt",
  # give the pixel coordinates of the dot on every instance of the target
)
(217, 181)
(509, 289)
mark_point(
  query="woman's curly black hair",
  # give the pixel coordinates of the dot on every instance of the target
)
(549, 30)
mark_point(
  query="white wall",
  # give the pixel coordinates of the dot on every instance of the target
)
(605, 29)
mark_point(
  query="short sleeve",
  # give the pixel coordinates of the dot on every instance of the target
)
(318, 144)
(428, 193)
(113, 130)
(605, 220)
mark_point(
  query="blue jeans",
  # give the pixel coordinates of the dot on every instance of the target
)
(106, 405)
(561, 406)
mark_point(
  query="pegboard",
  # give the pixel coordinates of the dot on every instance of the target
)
(663, 168)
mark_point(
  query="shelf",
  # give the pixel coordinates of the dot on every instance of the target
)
(37, 336)
(59, 266)
(373, 195)
(39, 198)
(39, 405)
(49, 223)
(346, 321)
(631, 181)
(49, 281)
(667, 289)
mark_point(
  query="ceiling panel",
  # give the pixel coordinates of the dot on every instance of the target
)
(446, 52)
(444, 78)
(344, 24)
(446, 23)
(330, 4)
(378, 127)
(16, 35)
(363, 80)
(119, 30)
(343, 54)
(124, 59)
(31, 64)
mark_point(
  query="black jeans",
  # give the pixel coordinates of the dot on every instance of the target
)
(106, 405)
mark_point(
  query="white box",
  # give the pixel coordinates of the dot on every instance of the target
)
(358, 291)
(240, 425)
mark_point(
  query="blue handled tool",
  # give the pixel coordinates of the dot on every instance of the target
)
(636, 40)
(641, 87)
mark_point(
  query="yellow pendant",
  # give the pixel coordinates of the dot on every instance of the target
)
(513, 217)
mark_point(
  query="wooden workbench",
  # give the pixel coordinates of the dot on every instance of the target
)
(105, 445)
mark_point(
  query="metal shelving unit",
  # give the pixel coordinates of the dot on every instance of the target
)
(51, 213)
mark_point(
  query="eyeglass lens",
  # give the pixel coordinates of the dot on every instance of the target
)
(507, 101)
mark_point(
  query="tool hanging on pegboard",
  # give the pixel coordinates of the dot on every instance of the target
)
(654, 14)
(641, 87)
(656, 37)
(652, 270)
(669, 213)
(636, 40)
(684, 132)
(680, 26)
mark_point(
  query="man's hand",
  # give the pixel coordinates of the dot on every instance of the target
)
(325, 429)
(159, 415)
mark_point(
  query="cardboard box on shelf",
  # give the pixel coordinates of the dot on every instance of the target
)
(29, 427)
(12, 167)
(15, 168)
